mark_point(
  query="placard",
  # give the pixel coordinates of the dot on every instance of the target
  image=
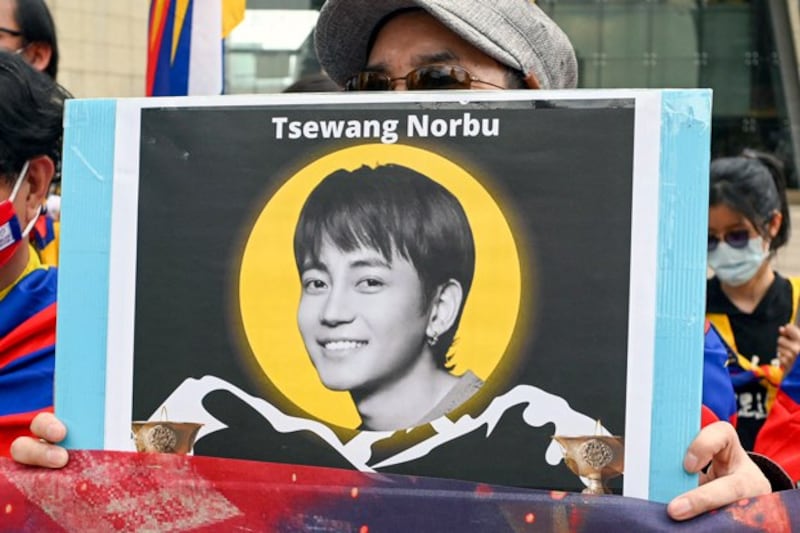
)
(443, 284)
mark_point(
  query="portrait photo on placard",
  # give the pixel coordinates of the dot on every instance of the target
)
(435, 289)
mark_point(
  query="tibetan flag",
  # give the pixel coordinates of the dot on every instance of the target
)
(719, 399)
(779, 439)
(27, 353)
(184, 55)
(45, 238)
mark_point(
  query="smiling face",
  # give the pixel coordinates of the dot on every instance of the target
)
(362, 318)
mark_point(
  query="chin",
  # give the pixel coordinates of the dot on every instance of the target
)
(334, 382)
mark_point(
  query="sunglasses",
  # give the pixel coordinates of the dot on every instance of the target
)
(427, 78)
(735, 239)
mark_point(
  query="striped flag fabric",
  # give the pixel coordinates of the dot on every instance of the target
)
(719, 398)
(779, 439)
(27, 352)
(184, 55)
(127, 491)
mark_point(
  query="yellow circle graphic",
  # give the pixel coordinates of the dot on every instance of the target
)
(269, 285)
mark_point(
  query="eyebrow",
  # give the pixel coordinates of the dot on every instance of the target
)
(312, 264)
(316, 264)
(371, 262)
(419, 60)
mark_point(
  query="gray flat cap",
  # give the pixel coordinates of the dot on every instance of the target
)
(516, 33)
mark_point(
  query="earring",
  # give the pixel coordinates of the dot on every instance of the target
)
(432, 339)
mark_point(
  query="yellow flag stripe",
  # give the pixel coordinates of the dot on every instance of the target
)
(181, 7)
(232, 15)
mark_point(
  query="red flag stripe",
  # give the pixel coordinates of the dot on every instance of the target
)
(34, 334)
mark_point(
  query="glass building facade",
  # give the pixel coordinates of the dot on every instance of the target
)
(744, 50)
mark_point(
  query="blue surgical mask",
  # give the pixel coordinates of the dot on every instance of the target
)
(737, 266)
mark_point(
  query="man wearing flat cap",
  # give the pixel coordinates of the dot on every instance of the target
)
(507, 44)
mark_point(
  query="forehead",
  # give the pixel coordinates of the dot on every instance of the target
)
(330, 248)
(7, 19)
(722, 216)
(411, 38)
(329, 251)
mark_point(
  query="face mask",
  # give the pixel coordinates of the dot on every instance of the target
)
(737, 266)
(10, 235)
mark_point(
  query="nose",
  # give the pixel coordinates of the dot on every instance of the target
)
(337, 308)
(398, 83)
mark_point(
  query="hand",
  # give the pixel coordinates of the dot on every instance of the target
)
(42, 451)
(731, 476)
(788, 345)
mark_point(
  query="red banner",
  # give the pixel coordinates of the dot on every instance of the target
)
(112, 491)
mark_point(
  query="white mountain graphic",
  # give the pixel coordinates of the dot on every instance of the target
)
(541, 408)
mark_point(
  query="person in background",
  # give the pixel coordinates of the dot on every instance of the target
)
(31, 112)
(467, 44)
(27, 28)
(753, 307)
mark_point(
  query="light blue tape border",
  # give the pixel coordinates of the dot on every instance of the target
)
(682, 230)
(81, 333)
(84, 277)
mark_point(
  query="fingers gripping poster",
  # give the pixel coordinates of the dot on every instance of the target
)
(430, 286)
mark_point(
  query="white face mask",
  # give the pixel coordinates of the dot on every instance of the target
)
(737, 266)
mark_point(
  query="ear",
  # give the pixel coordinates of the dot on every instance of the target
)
(531, 81)
(37, 184)
(38, 54)
(444, 308)
(775, 224)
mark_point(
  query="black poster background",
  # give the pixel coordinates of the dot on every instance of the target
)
(563, 168)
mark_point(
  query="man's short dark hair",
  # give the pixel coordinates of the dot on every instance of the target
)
(393, 209)
(36, 24)
(31, 114)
